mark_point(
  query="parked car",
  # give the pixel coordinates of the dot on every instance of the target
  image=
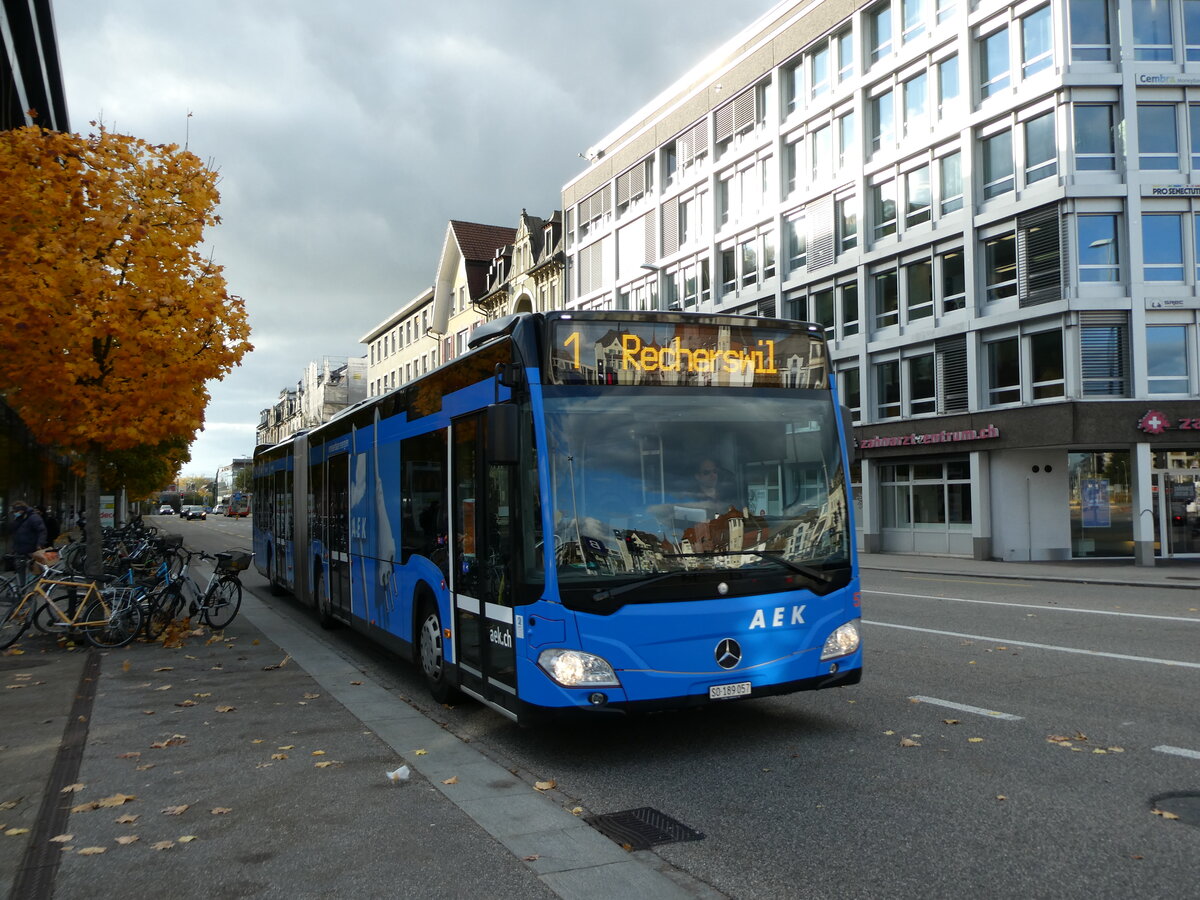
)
(219, 509)
(166, 510)
(193, 512)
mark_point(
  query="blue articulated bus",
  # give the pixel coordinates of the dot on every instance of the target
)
(592, 512)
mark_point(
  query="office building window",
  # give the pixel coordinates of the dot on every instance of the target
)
(844, 42)
(822, 151)
(883, 134)
(1004, 371)
(887, 299)
(1095, 139)
(946, 10)
(1046, 364)
(887, 388)
(922, 392)
(1167, 359)
(1104, 353)
(822, 310)
(997, 165)
(917, 200)
(1152, 40)
(916, 91)
(847, 223)
(884, 208)
(950, 182)
(1162, 247)
(1191, 30)
(1000, 267)
(1097, 249)
(1090, 31)
(918, 289)
(818, 67)
(994, 62)
(954, 280)
(879, 32)
(1037, 45)
(791, 86)
(948, 86)
(915, 13)
(847, 141)
(1041, 152)
(848, 301)
(851, 393)
(1194, 130)
(796, 245)
(1158, 140)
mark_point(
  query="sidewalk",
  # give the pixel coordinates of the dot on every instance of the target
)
(1184, 573)
(254, 765)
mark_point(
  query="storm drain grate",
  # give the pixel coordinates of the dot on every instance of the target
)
(1184, 805)
(642, 828)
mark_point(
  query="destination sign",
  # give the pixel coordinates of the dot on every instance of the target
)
(704, 353)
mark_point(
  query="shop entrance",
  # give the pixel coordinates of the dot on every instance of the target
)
(1177, 503)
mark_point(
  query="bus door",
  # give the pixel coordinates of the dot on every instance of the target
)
(337, 532)
(483, 504)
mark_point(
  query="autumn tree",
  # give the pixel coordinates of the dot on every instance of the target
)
(144, 469)
(112, 321)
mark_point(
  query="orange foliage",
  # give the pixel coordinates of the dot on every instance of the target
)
(111, 321)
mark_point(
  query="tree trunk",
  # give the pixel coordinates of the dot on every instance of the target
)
(91, 507)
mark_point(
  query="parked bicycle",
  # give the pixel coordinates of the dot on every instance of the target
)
(216, 603)
(107, 617)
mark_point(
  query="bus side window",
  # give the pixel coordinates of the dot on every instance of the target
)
(422, 485)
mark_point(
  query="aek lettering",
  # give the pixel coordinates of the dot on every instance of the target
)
(675, 357)
(777, 617)
(358, 528)
(500, 638)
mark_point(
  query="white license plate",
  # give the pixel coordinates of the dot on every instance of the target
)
(727, 691)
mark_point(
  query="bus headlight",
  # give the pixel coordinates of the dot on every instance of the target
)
(843, 641)
(574, 668)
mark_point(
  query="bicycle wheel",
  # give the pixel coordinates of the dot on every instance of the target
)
(222, 603)
(114, 626)
(15, 617)
(163, 608)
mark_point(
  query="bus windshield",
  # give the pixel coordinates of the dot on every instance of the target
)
(656, 481)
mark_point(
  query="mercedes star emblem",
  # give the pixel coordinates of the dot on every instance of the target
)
(729, 653)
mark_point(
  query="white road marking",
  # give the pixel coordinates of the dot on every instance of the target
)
(962, 707)
(1095, 612)
(1178, 751)
(1009, 641)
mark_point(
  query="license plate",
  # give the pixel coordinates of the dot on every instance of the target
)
(728, 691)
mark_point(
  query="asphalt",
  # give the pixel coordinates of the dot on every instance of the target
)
(254, 763)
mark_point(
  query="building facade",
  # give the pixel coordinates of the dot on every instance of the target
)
(328, 386)
(991, 208)
(402, 347)
(526, 276)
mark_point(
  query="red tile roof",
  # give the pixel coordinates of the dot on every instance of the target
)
(479, 242)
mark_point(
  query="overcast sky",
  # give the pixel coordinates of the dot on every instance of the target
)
(348, 135)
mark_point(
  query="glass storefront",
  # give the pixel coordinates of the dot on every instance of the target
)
(927, 496)
(1101, 504)
(1176, 507)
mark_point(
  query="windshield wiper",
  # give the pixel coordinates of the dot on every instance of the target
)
(607, 594)
(807, 571)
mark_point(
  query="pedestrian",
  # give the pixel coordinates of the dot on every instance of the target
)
(28, 534)
(52, 529)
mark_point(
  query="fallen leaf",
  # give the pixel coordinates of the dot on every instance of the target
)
(72, 788)
(258, 741)
(225, 709)
(1116, 749)
(577, 811)
(531, 857)
(545, 785)
(147, 712)
(186, 703)
(91, 851)
(162, 845)
(279, 756)
(13, 832)
(144, 767)
(279, 665)
(132, 754)
(62, 838)
(11, 804)
(1164, 814)
(908, 742)
(287, 747)
(115, 800)
(1058, 738)
(187, 839)
(164, 669)
(889, 732)
(175, 810)
(165, 687)
(254, 643)
(326, 764)
(453, 779)
(203, 695)
(125, 666)
(127, 819)
(1001, 797)
(975, 740)
(221, 810)
(318, 753)
(311, 696)
(356, 682)
(420, 752)
(127, 839)
(950, 721)
(1080, 736)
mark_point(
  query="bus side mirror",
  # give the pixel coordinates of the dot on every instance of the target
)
(848, 430)
(503, 434)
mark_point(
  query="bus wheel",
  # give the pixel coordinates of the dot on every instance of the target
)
(432, 653)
